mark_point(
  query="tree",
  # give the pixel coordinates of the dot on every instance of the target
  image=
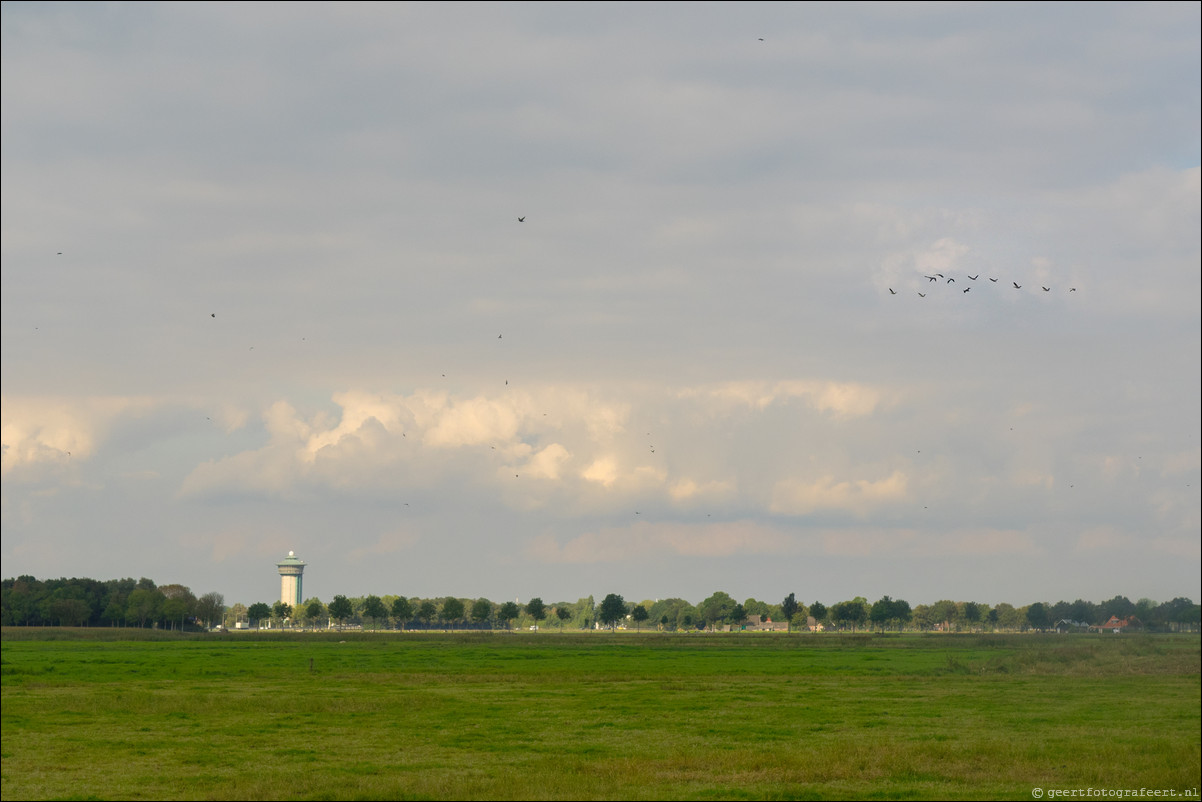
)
(563, 614)
(314, 610)
(209, 608)
(508, 612)
(819, 612)
(638, 615)
(889, 612)
(70, 612)
(341, 609)
(612, 610)
(426, 612)
(943, 613)
(536, 609)
(114, 613)
(402, 611)
(1037, 616)
(374, 609)
(280, 611)
(717, 607)
(481, 610)
(789, 607)
(452, 611)
(850, 613)
(258, 612)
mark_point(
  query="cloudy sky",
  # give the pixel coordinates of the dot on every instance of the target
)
(266, 288)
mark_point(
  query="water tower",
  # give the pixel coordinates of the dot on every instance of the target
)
(292, 571)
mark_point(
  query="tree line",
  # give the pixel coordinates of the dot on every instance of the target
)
(26, 601)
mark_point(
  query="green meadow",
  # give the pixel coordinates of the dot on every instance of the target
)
(110, 714)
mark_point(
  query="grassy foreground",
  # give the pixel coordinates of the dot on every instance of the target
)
(595, 716)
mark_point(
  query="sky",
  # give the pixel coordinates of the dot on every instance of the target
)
(543, 299)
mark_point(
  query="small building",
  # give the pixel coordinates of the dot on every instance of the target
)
(1116, 625)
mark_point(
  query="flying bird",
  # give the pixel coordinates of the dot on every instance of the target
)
(966, 289)
(521, 219)
(1017, 286)
(1047, 289)
(930, 278)
(922, 295)
(951, 281)
(974, 278)
(991, 278)
(214, 314)
(1072, 289)
(891, 292)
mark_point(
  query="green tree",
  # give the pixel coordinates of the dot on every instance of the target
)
(508, 612)
(341, 609)
(850, 613)
(1037, 616)
(718, 607)
(144, 605)
(943, 613)
(70, 612)
(114, 612)
(258, 611)
(481, 610)
(887, 612)
(973, 613)
(427, 611)
(374, 610)
(453, 611)
(280, 611)
(638, 615)
(210, 608)
(402, 611)
(314, 611)
(563, 614)
(789, 608)
(819, 612)
(612, 610)
(536, 609)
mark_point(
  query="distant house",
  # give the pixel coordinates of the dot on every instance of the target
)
(813, 624)
(1067, 625)
(1117, 625)
(753, 623)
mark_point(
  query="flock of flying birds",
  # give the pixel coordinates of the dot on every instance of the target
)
(939, 277)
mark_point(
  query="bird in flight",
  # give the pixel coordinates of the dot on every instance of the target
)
(922, 295)
(951, 281)
(1047, 289)
(966, 289)
(1017, 286)
(1072, 289)
(521, 219)
(214, 314)
(891, 292)
(974, 278)
(991, 278)
(930, 278)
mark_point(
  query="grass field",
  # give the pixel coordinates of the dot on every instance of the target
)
(595, 716)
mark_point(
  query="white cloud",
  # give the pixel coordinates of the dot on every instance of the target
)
(645, 540)
(803, 497)
(52, 430)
